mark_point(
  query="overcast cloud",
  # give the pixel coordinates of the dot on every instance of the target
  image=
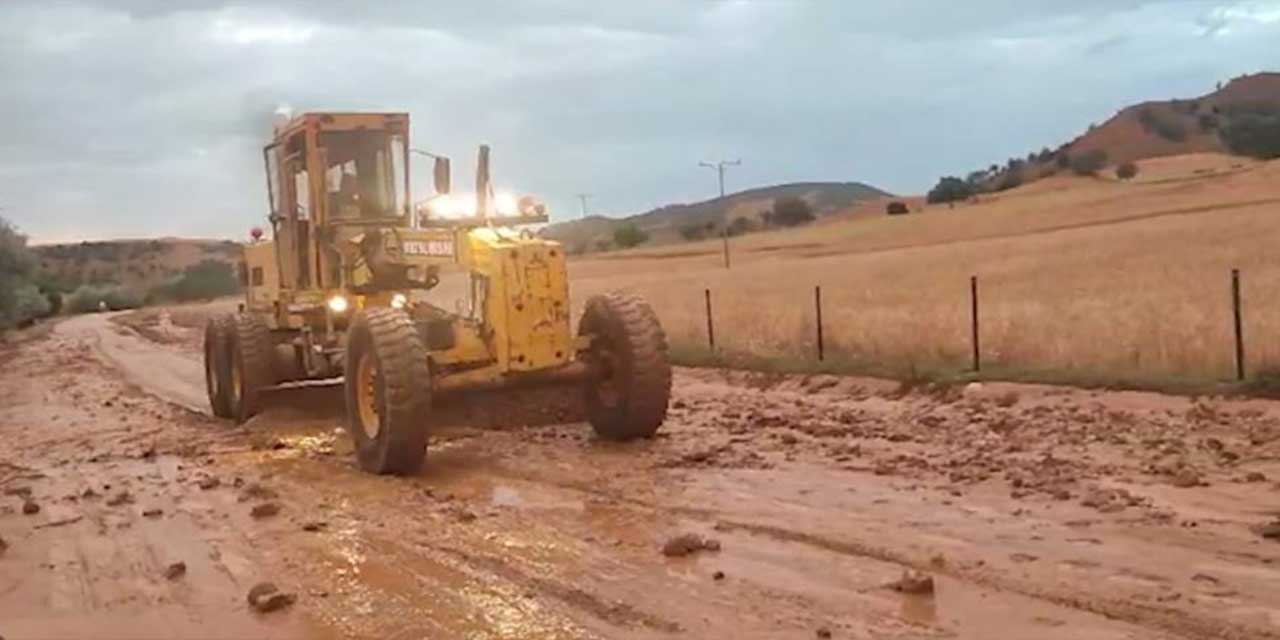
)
(146, 117)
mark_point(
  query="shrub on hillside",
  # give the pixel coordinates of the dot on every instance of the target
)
(1127, 171)
(790, 212)
(87, 297)
(896, 208)
(204, 281)
(740, 226)
(17, 268)
(1062, 159)
(950, 189)
(1253, 134)
(1089, 163)
(1011, 179)
(693, 232)
(629, 235)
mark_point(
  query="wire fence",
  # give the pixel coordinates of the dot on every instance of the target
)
(820, 329)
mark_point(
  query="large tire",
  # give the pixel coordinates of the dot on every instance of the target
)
(217, 363)
(252, 366)
(627, 396)
(388, 391)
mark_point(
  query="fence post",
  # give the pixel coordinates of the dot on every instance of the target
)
(726, 247)
(973, 302)
(817, 305)
(1239, 325)
(711, 330)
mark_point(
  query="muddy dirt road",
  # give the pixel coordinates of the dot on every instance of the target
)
(1037, 513)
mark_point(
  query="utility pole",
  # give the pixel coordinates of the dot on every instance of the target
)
(582, 200)
(719, 167)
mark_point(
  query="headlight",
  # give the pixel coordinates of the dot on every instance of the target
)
(505, 204)
(399, 300)
(338, 304)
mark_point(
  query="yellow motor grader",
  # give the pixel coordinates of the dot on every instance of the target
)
(343, 288)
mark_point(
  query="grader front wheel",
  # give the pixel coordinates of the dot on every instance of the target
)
(217, 364)
(252, 369)
(388, 391)
(628, 395)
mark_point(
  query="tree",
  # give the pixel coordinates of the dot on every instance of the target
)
(950, 189)
(17, 266)
(1089, 163)
(740, 226)
(1254, 134)
(693, 232)
(1063, 159)
(896, 208)
(1127, 171)
(629, 235)
(790, 212)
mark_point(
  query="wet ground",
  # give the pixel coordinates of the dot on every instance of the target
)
(1014, 511)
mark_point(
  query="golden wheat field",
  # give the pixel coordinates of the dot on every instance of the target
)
(1081, 279)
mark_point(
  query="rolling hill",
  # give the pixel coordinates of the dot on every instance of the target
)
(134, 264)
(664, 224)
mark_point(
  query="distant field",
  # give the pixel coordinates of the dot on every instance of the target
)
(1082, 280)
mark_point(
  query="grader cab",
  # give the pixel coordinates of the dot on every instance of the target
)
(345, 284)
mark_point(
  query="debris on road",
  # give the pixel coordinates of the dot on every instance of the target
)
(315, 525)
(175, 571)
(30, 507)
(257, 491)
(1270, 531)
(913, 583)
(719, 575)
(688, 543)
(265, 597)
(823, 632)
(59, 523)
(154, 512)
(208, 482)
(122, 497)
(265, 510)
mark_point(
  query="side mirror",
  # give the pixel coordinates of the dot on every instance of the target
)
(440, 173)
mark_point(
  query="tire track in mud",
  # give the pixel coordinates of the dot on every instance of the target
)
(616, 613)
(1168, 620)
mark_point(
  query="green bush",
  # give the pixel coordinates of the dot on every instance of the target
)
(1127, 171)
(693, 232)
(896, 208)
(17, 267)
(1253, 134)
(204, 281)
(87, 297)
(1089, 163)
(629, 235)
(790, 212)
(950, 189)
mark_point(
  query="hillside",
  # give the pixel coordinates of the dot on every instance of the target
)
(664, 224)
(134, 264)
(1212, 123)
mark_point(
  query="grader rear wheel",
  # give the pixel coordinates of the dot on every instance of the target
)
(217, 364)
(252, 369)
(628, 396)
(388, 391)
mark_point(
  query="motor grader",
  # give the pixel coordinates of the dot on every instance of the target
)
(344, 288)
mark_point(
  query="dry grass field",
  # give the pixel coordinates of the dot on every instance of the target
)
(1082, 280)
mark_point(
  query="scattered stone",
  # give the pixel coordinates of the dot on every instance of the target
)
(823, 632)
(89, 493)
(719, 575)
(3, 546)
(1023, 557)
(1007, 400)
(688, 543)
(175, 571)
(913, 583)
(21, 492)
(121, 497)
(315, 526)
(30, 507)
(1061, 494)
(209, 482)
(265, 597)
(1270, 531)
(264, 510)
(149, 453)
(1187, 478)
(788, 439)
(1255, 476)
(257, 491)
(154, 512)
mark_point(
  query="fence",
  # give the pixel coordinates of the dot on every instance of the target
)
(975, 317)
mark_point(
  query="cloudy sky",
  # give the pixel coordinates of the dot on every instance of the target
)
(130, 118)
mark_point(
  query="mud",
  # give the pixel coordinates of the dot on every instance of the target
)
(1030, 512)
